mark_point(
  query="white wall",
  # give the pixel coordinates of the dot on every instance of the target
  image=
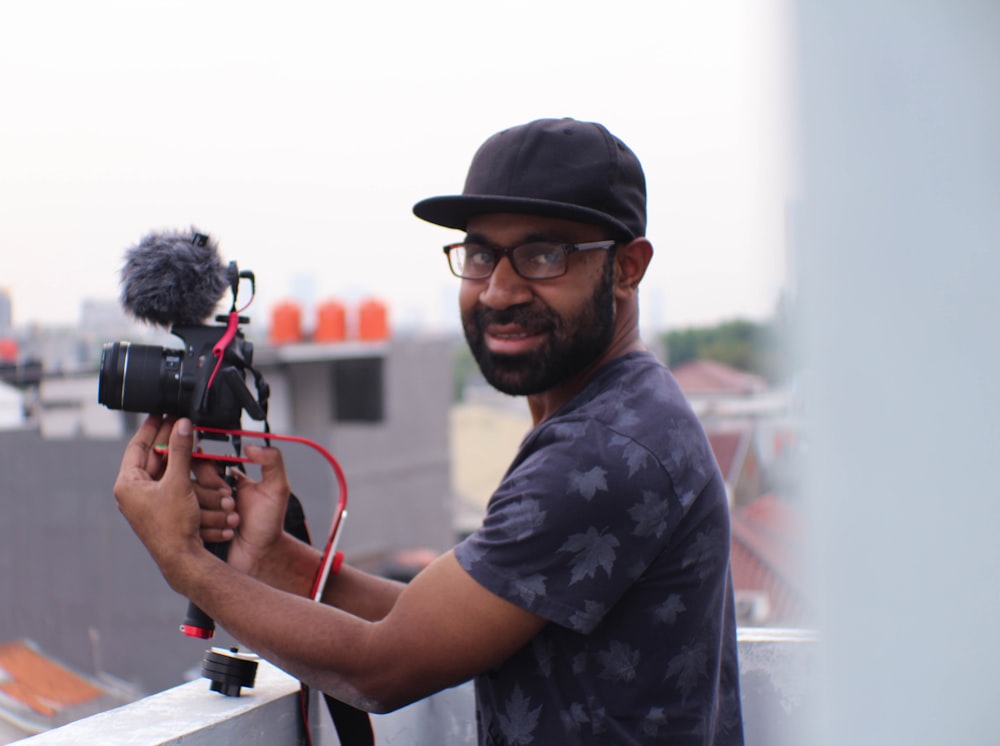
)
(897, 237)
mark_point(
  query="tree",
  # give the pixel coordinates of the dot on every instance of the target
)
(742, 344)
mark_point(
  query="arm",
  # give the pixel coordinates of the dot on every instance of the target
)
(439, 630)
(420, 647)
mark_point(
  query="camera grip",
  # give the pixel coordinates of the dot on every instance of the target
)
(196, 622)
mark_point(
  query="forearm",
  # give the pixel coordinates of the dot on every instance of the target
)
(292, 566)
(367, 596)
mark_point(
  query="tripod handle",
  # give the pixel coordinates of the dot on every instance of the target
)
(196, 622)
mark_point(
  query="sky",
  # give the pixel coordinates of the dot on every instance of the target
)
(300, 134)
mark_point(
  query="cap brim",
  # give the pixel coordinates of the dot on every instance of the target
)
(454, 211)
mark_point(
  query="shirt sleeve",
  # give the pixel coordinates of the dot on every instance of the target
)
(580, 515)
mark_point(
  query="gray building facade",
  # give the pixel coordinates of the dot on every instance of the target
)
(76, 580)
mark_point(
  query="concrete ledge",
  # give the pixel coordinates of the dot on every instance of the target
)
(777, 685)
(776, 680)
(192, 714)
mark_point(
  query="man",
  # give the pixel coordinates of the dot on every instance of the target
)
(594, 603)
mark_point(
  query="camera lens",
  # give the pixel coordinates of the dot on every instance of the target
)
(140, 378)
(112, 375)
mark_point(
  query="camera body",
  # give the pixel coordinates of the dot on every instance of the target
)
(191, 382)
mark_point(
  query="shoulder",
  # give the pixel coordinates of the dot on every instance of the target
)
(633, 413)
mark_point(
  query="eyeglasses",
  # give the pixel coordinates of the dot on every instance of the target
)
(538, 260)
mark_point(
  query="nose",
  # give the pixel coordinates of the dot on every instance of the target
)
(505, 287)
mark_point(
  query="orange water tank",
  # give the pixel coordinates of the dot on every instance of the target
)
(331, 322)
(373, 320)
(8, 350)
(286, 323)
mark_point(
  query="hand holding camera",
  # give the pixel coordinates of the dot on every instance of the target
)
(176, 279)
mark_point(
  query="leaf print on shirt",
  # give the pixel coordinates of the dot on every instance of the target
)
(572, 430)
(586, 619)
(544, 652)
(529, 588)
(655, 719)
(688, 666)
(704, 553)
(598, 716)
(687, 498)
(618, 662)
(518, 721)
(686, 458)
(684, 439)
(474, 552)
(592, 550)
(650, 515)
(528, 518)
(625, 418)
(588, 483)
(634, 455)
(669, 610)
(574, 718)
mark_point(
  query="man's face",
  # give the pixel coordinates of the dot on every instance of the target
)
(531, 335)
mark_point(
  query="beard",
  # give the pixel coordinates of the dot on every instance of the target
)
(572, 343)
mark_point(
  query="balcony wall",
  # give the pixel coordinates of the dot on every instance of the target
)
(777, 688)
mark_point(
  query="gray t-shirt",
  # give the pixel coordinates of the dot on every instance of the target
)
(612, 523)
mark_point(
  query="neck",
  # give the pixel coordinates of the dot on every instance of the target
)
(544, 405)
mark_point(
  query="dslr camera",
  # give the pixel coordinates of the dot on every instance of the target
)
(175, 279)
(190, 382)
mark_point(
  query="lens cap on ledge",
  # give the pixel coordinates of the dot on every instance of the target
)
(229, 670)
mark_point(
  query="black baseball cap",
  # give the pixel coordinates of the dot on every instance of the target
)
(559, 168)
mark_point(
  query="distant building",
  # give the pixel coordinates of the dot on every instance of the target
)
(6, 313)
(768, 563)
(736, 454)
(701, 379)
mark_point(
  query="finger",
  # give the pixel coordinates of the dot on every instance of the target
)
(157, 460)
(181, 444)
(215, 498)
(272, 467)
(242, 481)
(206, 473)
(213, 536)
(217, 525)
(137, 451)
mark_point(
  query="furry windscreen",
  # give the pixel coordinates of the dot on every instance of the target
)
(173, 278)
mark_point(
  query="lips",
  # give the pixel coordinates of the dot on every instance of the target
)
(511, 339)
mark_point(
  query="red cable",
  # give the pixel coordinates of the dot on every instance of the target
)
(219, 350)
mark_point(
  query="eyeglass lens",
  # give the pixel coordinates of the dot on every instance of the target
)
(532, 260)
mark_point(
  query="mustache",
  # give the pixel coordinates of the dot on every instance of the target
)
(533, 319)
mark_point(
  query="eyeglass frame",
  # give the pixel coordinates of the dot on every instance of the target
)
(499, 252)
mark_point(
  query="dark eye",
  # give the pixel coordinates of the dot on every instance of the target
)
(540, 257)
(478, 257)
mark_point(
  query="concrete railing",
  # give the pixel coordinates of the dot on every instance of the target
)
(775, 672)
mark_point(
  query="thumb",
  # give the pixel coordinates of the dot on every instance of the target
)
(181, 444)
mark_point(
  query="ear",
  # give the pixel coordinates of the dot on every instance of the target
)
(631, 261)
